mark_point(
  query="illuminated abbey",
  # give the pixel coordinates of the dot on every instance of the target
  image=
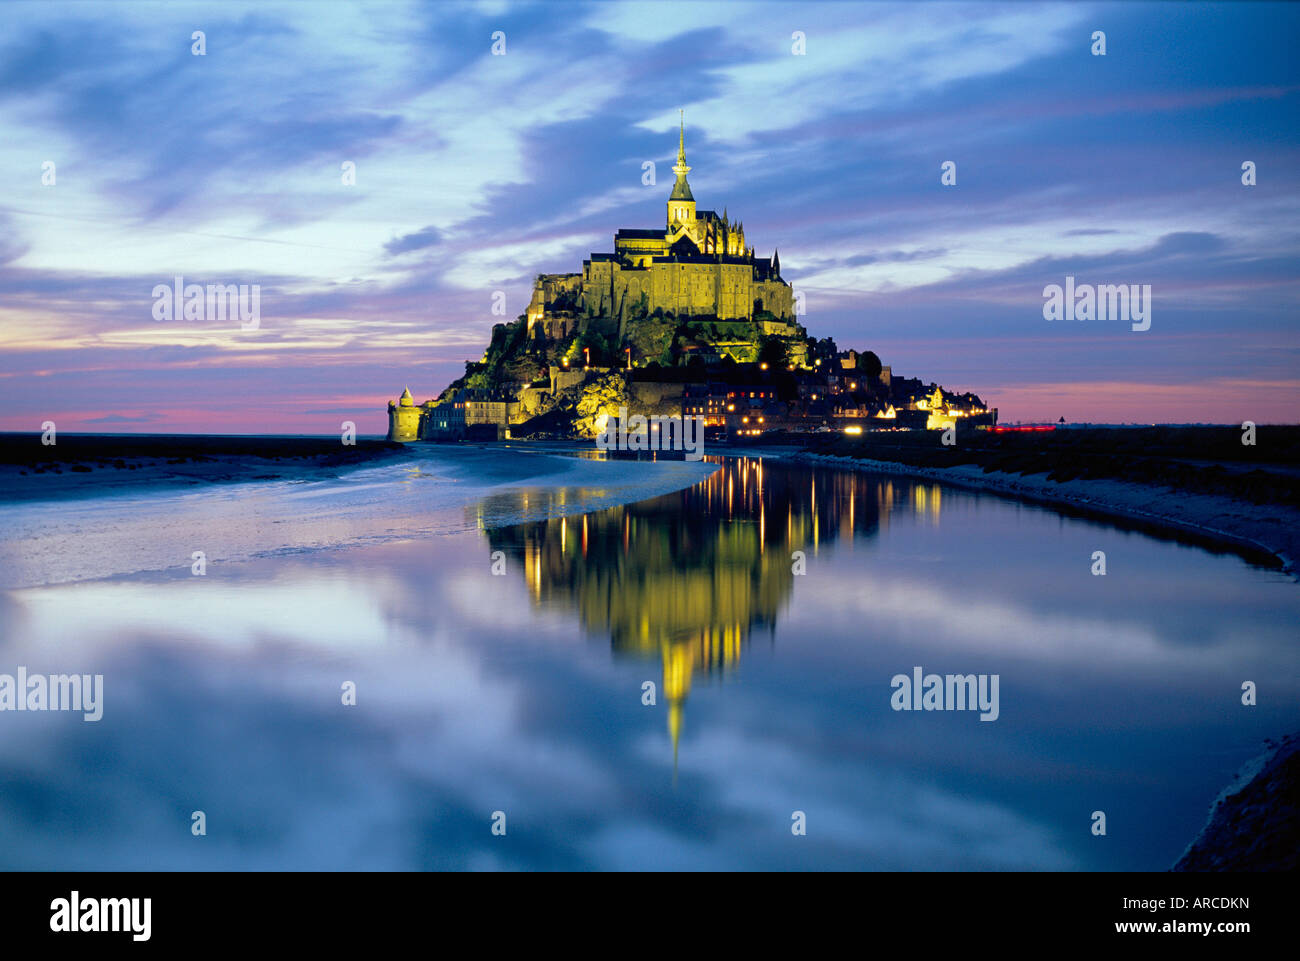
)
(679, 320)
(697, 265)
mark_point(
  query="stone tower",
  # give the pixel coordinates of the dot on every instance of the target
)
(404, 419)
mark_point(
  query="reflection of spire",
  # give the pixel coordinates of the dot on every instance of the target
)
(675, 731)
(679, 663)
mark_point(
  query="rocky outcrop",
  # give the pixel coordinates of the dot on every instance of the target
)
(599, 399)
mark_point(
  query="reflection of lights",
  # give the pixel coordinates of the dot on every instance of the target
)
(853, 429)
(713, 598)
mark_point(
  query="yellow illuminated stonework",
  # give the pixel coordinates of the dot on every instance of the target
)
(697, 265)
(403, 418)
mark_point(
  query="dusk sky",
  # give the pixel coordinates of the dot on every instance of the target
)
(476, 172)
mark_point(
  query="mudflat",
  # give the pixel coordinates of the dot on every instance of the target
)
(82, 464)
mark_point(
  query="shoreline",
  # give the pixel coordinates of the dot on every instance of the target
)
(1265, 535)
(1248, 828)
(89, 466)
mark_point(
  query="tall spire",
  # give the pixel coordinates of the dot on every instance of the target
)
(681, 189)
(680, 168)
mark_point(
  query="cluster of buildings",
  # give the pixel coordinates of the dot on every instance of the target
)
(739, 400)
(835, 396)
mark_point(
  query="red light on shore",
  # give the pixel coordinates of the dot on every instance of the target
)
(1022, 427)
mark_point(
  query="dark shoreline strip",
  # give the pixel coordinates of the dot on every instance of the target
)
(1017, 487)
(93, 465)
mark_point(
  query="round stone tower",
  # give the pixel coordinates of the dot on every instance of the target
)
(404, 419)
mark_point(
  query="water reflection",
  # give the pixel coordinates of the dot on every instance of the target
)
(478, 693)
(687, 578)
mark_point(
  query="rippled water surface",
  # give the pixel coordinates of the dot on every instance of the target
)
(522, 691)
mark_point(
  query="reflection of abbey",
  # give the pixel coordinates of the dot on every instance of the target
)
(687, 578)
(695, 266)
(679, 320)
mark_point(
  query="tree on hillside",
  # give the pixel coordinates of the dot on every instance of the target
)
(871, 365)
(773, 352)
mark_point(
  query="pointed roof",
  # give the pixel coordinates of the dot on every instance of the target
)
(683, 246)
(406, 399)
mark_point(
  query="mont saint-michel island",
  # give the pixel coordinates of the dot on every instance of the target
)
(682, 320)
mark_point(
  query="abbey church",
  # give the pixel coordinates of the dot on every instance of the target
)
(697, 265)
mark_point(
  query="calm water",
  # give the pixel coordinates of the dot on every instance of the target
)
(522, 692)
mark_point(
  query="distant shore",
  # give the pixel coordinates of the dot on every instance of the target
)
(90, 465)
(1185, 483)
